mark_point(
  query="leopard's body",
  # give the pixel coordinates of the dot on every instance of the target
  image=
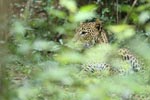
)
(92, 33)
(92, 67)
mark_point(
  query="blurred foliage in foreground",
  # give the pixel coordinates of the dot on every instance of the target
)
(42, 63)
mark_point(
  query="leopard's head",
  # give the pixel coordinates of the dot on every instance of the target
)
(87, 33)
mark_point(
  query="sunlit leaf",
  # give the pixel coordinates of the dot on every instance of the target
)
(144, 16)
(69, 57)
(88, 8)
(69, 4)
(38, 23)
(27, 92)
(24, 47)
(18, 28)
(147, 29)
(56, 12)
(143, 7)
(98, 54)
(84, 13)
(122, 31)
(142, 48)
(45, 45)
(125, 8)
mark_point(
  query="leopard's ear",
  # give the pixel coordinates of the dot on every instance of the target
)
(98, 21)
(98, 24)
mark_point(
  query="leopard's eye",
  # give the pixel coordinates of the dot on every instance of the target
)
(83, 33)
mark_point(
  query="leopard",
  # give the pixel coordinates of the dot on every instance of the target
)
(93, 33)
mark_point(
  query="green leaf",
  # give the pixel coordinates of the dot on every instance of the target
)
(55, 12)
(69, 4)
(125, 8)
(122, 31)
(88, 8)
(82, 16)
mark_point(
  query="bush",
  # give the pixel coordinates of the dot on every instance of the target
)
(43, 64)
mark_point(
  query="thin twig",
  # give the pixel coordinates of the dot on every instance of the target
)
(117, 13)
(133, 5)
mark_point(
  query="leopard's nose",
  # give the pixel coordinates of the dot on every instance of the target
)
(87, 45)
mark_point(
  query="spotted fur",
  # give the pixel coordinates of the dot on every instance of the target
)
(92, 67)
(99, 67)
(131, 59)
